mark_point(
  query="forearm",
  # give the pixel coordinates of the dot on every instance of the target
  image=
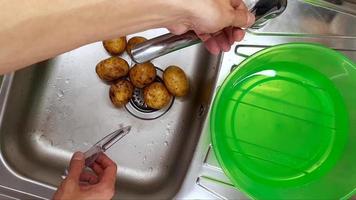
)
(34, 30)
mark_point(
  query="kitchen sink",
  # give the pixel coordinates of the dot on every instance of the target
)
(60, 106)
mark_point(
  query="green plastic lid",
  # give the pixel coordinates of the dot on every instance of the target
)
(280, 123)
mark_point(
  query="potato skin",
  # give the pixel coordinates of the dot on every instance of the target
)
(142, 75)
(115, 46)
(133, 42)
(156, 95)
(112, 69)
(121, 92)
(176, 81)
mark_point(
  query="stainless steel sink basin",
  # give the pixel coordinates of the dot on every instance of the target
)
(59, 106)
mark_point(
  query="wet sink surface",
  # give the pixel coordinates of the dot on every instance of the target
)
(59, 106)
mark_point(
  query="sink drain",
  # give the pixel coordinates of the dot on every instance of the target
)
(138, 108)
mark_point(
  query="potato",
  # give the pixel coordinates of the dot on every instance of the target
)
(142, 74)
(112, 69)
(115, 46)
(156, 95)
(133, 42)
(176, 81)
(121, 92)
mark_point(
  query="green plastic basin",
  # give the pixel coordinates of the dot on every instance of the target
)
(283, 124)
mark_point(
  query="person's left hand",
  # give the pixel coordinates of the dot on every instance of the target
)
(218, 23)
(84, 185)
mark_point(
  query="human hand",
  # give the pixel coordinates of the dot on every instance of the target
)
(223, 40)
(217, 22)
(85, 185)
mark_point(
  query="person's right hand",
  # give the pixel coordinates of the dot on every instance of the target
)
(83, 185)
(217, 22)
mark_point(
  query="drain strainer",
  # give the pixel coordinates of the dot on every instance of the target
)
(138, 108)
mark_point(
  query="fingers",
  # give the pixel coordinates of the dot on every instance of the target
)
(104, 161)
(223, 42)
(243, 18)
(238, 34)
(210, 43)
(76, 166)
(230, 36)
(212, 46)
(236, 15)
(89, 177)
(204, 36)
(97, 169)
(108, 177)
(217, 44)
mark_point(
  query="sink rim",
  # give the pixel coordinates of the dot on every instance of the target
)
(198, 129)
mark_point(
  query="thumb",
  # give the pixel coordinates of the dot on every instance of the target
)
(76, 166)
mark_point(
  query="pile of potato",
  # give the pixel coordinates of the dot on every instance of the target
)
(123, 79)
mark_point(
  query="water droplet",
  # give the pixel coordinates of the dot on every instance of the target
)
(42, 138)
(150, 169)
(70, 143)
(166, 143)
(144, 158)
(67, 81)
(45, 140)
(150, 144)
(60, 93)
